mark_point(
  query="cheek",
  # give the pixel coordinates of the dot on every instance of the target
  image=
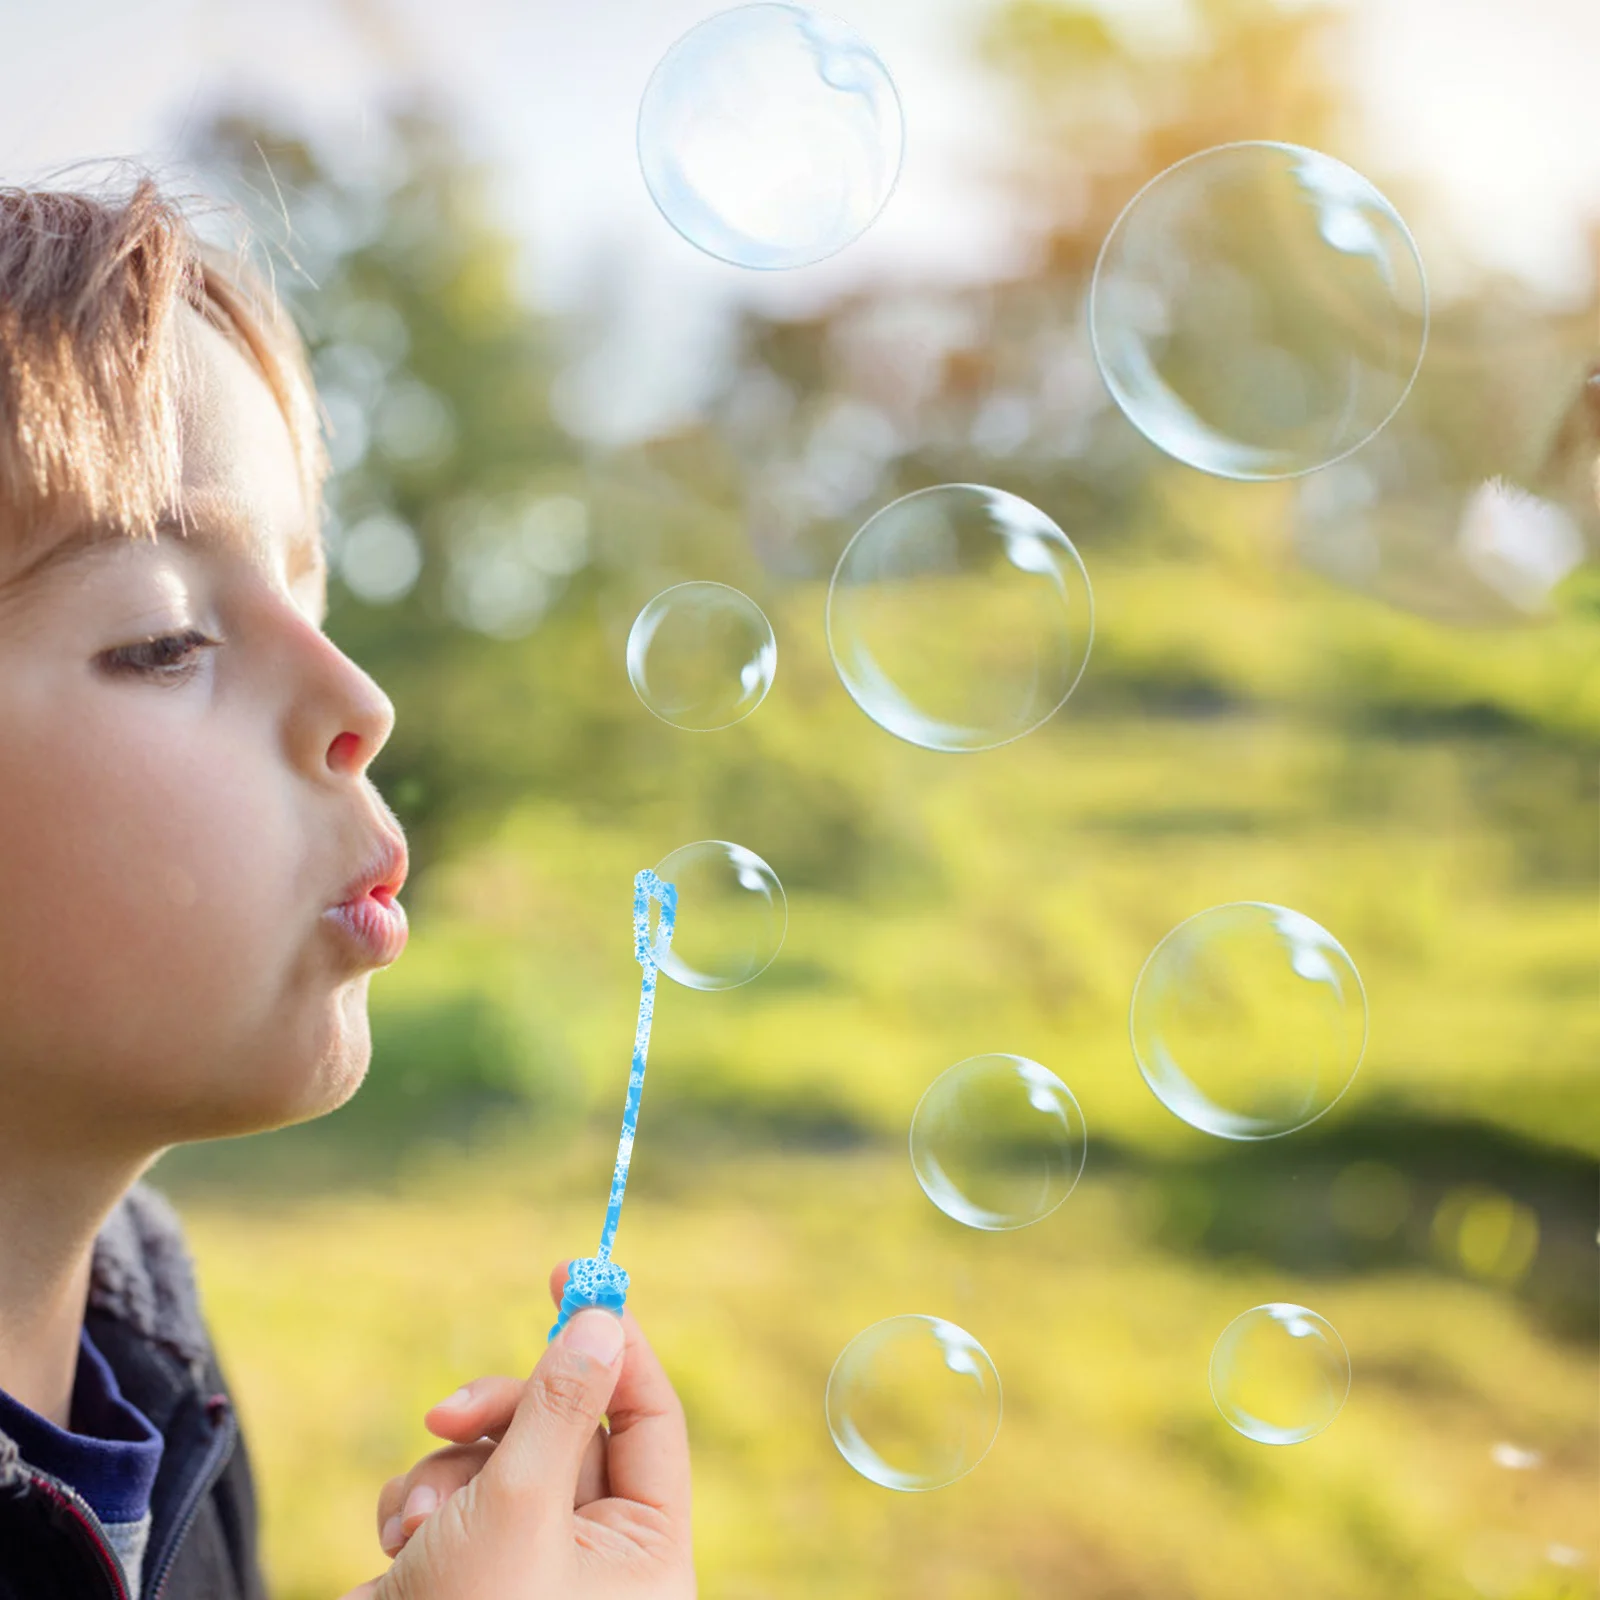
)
(144, 842)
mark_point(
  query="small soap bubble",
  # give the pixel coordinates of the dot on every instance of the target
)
(997, 1142)
(1279, 1374)
(731, 915)
(701, 656)
(960, 617)
(1258, 310)
(913, 1403)
(770, 136)
(1248, 1020)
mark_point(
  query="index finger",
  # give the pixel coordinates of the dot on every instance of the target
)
(647, 1457)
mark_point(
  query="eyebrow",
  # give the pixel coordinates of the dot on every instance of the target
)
(85, 540)
(88, 540)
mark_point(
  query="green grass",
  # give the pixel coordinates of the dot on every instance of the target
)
(942, 906)
(343, 1319)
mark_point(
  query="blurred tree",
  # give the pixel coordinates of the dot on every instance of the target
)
(476, 542)
(881, 394)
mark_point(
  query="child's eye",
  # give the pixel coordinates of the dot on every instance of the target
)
(170, 656)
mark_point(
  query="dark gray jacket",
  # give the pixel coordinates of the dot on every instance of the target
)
(144, 1316)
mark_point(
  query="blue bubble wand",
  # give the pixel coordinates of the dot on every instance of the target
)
(597, 1280)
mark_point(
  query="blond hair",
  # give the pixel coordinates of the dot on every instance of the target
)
(89, 420)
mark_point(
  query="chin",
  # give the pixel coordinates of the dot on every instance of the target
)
(347, 1053)
(274, 1081)
(311, 1077)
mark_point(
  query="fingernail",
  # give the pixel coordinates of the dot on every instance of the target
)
(422, 1499)
(390, 1536)
(461, 1397)
(596, 1334)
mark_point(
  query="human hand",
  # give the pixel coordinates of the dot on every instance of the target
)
(535, 1498)
(475, 1419)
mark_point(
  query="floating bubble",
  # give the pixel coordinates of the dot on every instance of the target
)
(1258, 310)
(997, 1142)
(732, 915)
(960, 617)
(701, 656)
(770, 136)
(913, 1403)
(1248, 1020)
(1279, 1374)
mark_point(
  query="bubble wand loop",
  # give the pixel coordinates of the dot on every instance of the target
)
(597, 1280)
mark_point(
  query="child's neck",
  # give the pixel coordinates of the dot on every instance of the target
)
(49, 1216)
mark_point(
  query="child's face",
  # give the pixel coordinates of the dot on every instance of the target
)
(169, 841)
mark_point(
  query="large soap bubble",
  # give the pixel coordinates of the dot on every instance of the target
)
(960, 617)
(1259, 310)
(701, 656)
(732, 915)
(1279, 1374)
(997, 1142)
(770, 135)
(1248, 1020)
(913, 1402)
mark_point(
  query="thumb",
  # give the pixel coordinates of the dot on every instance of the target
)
(544, 1445)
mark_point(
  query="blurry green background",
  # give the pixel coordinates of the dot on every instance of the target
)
(1386, 744)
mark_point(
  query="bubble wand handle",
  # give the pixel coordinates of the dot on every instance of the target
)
(598, 1280)
(646, 887)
